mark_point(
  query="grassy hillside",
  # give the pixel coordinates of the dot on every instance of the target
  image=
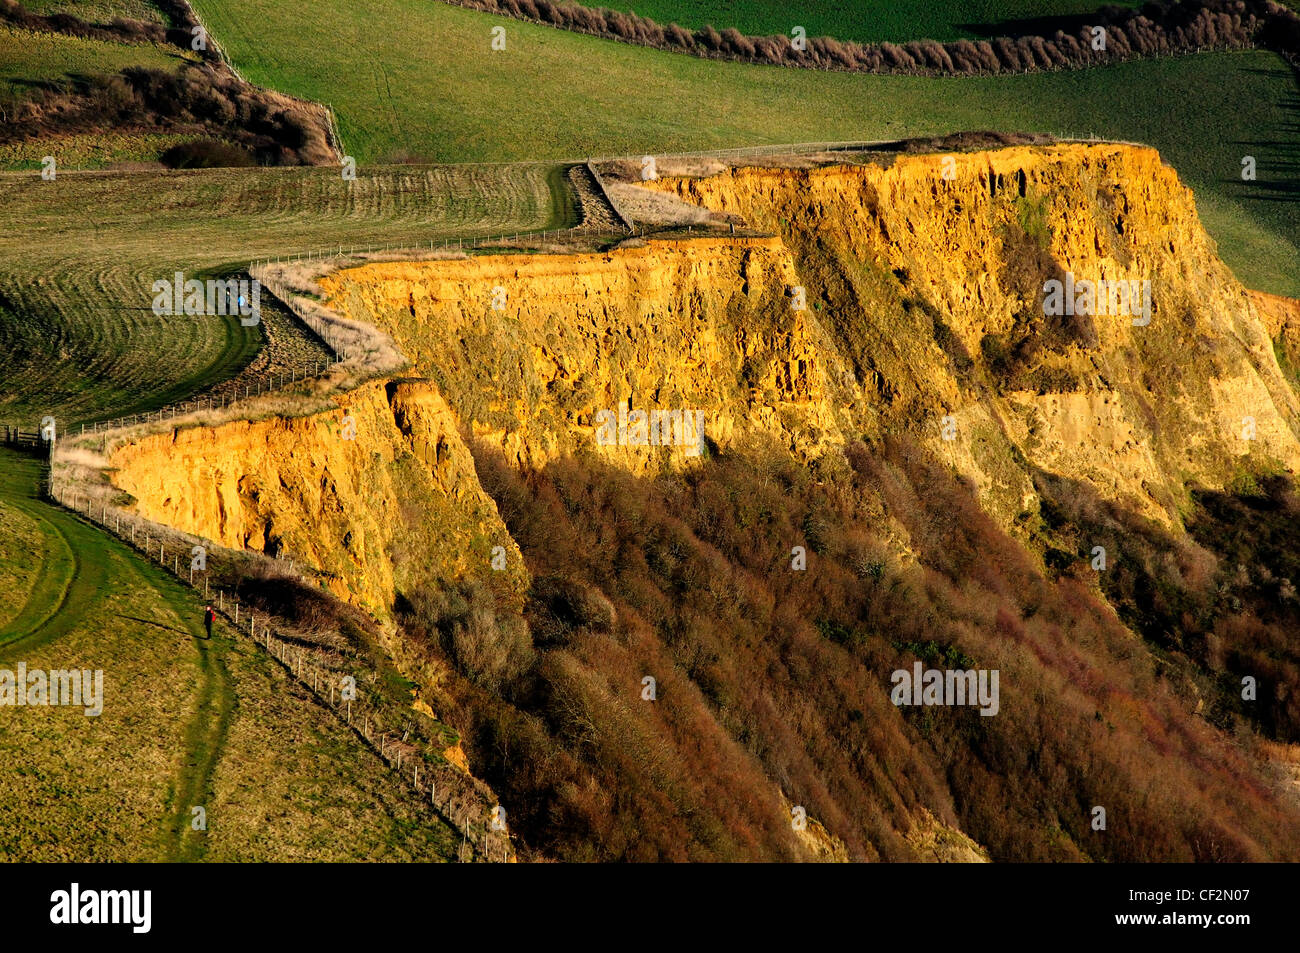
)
(77, 336)
(27, 58)
(29, 61)
(866, 20)
(99, 11)
(398, 92)
(186, 721)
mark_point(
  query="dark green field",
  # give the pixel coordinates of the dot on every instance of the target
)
(397, 93)
(869, 21)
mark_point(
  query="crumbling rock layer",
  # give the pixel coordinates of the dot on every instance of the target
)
(904, 297)
(915, 284)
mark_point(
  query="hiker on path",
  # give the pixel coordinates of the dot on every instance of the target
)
(209, 614)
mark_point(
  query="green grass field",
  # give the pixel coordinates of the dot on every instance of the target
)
(413, 77)
(29, 58)
(99, 11)
(92, 150)
(869, 21)
(78, 338)
(80, 253)
(29, 61)
(186, 721)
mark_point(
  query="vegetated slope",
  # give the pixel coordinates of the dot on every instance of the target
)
(100, 11)
(196, 95)
(33, 58)
(824, 431)
(187, 722)
(36, 66)
(868, 21)
(78, 338)
(414, 96)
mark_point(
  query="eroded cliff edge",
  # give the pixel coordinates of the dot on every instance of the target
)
(922, 319)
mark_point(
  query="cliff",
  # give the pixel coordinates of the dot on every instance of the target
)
(897, 300)
(932, 288)
(396, 500)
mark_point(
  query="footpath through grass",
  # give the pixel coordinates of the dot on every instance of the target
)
(187, 722)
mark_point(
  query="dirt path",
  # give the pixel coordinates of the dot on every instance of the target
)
(204, 739)
(70, 573)
(79, 564)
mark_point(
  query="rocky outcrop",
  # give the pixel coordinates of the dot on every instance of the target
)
(905, 297)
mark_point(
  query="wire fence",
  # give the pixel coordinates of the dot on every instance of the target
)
(327, 670)
(280, 381)
(331, 125)
(318, 667)
(336, 138)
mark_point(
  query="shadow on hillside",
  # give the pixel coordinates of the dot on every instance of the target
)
(1219, 603)
(1029, 26)
(169, 628)
(1276, 152)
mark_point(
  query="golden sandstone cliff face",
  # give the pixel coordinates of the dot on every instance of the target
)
(1138, 411)
(915, 291)
(531, 348)
(924, 315)
(399, 497)
(923, 302)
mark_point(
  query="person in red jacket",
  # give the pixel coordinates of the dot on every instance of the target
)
(209, 614)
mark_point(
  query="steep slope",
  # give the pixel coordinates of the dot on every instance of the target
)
(825, 532)
(934, 287)
(361, 495)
